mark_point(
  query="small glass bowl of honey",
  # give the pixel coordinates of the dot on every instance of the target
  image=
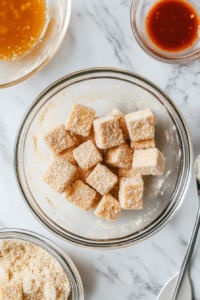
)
(167, 30)
(31, 31)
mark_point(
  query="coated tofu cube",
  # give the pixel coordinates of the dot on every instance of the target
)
(149, 162)
(80, 120)
(120, 156)
(67, 155)
(80, 195)
(116, 113)
(122, 172)
(142, 145)
(59, 174)
(131, 193)
(102, 179)
(108, 208)
(107, 132)
(11, 292)
(87, 155)
(140, 125)
(59, 139)
(96, 201)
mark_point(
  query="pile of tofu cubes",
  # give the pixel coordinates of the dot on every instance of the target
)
(99, 162)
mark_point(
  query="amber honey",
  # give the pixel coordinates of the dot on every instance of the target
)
(173, 25)
(21, 24)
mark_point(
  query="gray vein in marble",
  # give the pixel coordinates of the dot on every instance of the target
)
(125, 3)
(4, 143)
(184, 85)
(111, 273)
(163, 253)
(17, 98)
(144, 286)
(115, 37)
(155, 287)
(183, 242)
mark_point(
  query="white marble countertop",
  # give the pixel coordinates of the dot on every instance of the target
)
(100, 35)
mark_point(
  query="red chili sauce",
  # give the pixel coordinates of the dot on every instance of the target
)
(172, 25)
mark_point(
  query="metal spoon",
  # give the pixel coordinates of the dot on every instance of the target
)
(179, 286)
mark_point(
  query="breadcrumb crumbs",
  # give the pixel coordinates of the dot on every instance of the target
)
(11, 292)
(25, 265)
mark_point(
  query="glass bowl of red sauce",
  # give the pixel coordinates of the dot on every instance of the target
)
(168, 30)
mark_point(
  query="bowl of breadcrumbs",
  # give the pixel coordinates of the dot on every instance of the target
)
(103, 158)
(33, 268)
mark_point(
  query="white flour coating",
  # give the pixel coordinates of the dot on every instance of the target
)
(160, 183)
(101, 224)
(167, 135)
(38, 273)
(197, 168)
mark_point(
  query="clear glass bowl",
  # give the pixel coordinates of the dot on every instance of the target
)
(15, 71)
(103, 89)
(62, 258)
(138, 14)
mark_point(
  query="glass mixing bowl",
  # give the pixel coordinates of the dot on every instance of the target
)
(15, 71)
(62, 258)
(138, 15)
(103, 89)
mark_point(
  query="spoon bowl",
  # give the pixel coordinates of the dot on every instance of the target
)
(185, 292)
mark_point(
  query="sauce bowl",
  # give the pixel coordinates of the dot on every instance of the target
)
(138, 14)
(57, 20)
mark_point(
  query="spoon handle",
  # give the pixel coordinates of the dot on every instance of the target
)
(189, 252)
